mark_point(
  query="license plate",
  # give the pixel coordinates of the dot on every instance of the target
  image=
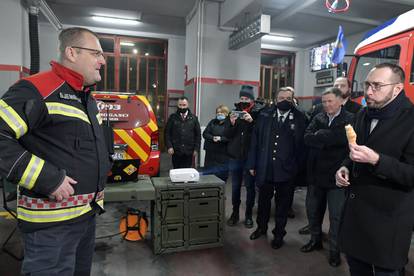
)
(119, 155)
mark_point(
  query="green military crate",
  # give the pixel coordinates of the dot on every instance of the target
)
(187, 216)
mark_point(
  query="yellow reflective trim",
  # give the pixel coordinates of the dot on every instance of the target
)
(38, 216)
(152, 125)
(66, 110)
(132, 144)
(12, 119)
(31, 173)
(143, 135)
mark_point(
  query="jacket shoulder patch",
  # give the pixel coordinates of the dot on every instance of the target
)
(45, 82)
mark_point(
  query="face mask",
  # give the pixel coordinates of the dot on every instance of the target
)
(284, 105)
(220, 117)
(182, 110)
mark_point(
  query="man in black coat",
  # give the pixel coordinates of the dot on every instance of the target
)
(343, 84)
(274, 157)
(378, 216)
(239, 134)
(328, 146)
(182, 135)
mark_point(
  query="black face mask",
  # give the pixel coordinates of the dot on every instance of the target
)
(182, 110)
(241, 106)
(284, 105)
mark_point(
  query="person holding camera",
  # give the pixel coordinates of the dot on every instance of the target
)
(239, 133)
(275, 155)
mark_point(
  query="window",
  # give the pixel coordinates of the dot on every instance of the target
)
(135, 65)
(368, 61)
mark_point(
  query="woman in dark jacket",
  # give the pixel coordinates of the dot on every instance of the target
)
(216, 160)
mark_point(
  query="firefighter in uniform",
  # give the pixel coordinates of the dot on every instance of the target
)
(52, 146)
(275, 155)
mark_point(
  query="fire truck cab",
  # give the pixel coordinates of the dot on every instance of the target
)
(391, 42)
(135, 132)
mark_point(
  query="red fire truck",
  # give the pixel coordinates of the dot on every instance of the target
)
(135, 134)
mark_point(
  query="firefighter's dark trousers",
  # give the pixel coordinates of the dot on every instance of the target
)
(63, 250)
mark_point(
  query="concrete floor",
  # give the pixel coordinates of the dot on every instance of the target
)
(238, 256)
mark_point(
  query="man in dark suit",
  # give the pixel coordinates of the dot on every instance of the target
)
(378, 216)
(328, 146)
(274, 157)
(343, 84)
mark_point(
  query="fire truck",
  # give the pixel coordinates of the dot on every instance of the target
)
(135, 134)
(392, 42)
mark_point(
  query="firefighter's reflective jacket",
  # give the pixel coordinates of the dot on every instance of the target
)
(50, 128)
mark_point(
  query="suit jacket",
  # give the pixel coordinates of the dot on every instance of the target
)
(378, 217)
(260, 147)
(328, 146)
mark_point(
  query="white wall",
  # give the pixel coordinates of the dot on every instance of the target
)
(176, 58)
(48, 42)
(14, 33)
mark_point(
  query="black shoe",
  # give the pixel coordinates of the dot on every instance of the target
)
(311, 246)
(334, 259)
(277, 243)
(234, 218)
(257, 234)
(248, 223)
(304, 230)
(291, 213)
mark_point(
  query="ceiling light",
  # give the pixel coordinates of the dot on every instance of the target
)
(114, 20)
(135, 51)
(125, 43)
(366, 64)
(277, 38)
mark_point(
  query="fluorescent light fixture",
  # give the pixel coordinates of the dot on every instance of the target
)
(135, 51)
(277, 38)
(126, 43)
(366, 64)
(115, 20)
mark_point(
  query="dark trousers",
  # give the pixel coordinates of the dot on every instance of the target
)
(283, 193)
(315, 208)
(182, 161)
(238, 175)
(360, 268)
(63, 250)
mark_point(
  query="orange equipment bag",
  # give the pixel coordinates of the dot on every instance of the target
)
(134, 225)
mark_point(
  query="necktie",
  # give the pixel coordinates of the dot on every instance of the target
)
(280, 121)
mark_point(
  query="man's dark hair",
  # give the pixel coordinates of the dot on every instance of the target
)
(72, 37)
(183, 98)
(333, 90)
(347, 80)
(396, 70)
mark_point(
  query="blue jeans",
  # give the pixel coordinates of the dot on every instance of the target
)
(238, 174)
(62, 250)
(360, 268)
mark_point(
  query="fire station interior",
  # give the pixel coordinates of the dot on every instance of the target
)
(205, 50)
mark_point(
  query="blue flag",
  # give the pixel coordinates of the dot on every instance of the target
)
(340, 47)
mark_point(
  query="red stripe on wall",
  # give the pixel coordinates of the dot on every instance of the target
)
(14, 68)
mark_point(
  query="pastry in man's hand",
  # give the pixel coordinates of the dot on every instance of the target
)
(350, 134)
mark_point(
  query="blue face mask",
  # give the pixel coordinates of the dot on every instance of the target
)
(220, 117)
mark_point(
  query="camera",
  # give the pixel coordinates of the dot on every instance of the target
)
(239, 114)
